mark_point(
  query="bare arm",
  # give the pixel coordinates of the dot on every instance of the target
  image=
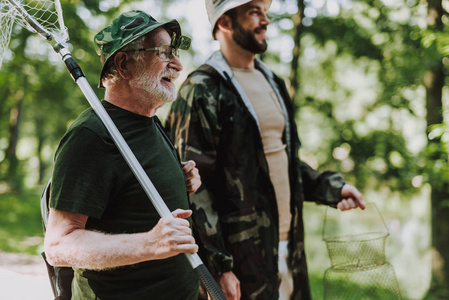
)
(68, 243)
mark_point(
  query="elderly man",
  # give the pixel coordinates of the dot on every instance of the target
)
(234, 117)
(101, 221)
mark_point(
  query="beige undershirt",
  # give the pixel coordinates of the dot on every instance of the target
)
(272, 124)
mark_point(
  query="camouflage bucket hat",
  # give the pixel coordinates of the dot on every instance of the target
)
(130, 26)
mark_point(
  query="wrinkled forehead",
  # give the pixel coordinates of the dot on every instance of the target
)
(157, 37)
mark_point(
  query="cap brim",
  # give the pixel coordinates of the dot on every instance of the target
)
(226, 6)
(170, 26)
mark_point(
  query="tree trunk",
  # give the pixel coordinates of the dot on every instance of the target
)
(40, 144)
(440, 190)
(434, 82)
(13, 176)
(294, 71)
(6, 93)
(440, 242)
(3, 114)
(41, 170)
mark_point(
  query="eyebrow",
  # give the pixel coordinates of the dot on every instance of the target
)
(258, 7)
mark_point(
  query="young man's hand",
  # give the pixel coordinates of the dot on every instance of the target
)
(350, 198)
(193, 179)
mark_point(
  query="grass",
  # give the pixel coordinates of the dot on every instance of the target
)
(316, 285)
(20, 223)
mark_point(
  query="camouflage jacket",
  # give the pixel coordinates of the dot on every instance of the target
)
(235, 210)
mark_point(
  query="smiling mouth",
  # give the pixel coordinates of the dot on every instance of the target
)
(167, 79)
(262, 29)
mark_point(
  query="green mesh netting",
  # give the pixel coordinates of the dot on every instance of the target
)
(355, 242)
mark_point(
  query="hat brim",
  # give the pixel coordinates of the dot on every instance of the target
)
(226, 6)
(170, 26)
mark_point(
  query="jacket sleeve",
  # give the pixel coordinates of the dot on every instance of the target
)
(193, 126)
(322, 188)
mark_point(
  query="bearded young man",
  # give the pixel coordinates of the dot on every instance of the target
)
(101, 221)
(234, 117)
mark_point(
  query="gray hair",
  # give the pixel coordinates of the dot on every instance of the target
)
(110, 73)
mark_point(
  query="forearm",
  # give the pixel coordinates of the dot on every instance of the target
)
(68, 243)
(95, 250)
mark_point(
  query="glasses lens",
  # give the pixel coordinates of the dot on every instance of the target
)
(165, 52)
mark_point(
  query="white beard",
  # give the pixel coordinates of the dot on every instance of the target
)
(152, 87)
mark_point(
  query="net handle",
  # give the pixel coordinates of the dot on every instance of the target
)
(30, 21)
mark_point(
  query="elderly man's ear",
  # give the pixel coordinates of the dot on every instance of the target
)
(122, 63)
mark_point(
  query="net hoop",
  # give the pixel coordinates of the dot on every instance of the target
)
(46, 13)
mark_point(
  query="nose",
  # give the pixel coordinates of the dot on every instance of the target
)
(265, 20)
(175, 63)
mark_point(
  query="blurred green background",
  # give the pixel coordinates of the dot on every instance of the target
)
(368, 79)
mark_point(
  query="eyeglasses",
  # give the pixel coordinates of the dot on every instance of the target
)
(165, 52)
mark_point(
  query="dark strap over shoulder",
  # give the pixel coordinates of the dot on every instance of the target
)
(45, 199)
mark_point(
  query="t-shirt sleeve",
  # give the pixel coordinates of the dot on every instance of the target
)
(84, 174)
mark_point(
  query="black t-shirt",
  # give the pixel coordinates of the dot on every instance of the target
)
(92, 178)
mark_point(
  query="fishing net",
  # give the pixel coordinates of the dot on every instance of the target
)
(357, 250)
(369, 281)
(6, 22)
(45, 16)
(356, 245)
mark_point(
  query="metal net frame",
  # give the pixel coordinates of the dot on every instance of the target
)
(45, 14)
(355, 242)
(7, 18)
(376, 281)
(357, 250)
(48, 13)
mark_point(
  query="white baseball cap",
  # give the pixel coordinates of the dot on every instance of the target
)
(216, 8)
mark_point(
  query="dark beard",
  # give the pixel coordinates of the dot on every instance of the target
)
(246, 39)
